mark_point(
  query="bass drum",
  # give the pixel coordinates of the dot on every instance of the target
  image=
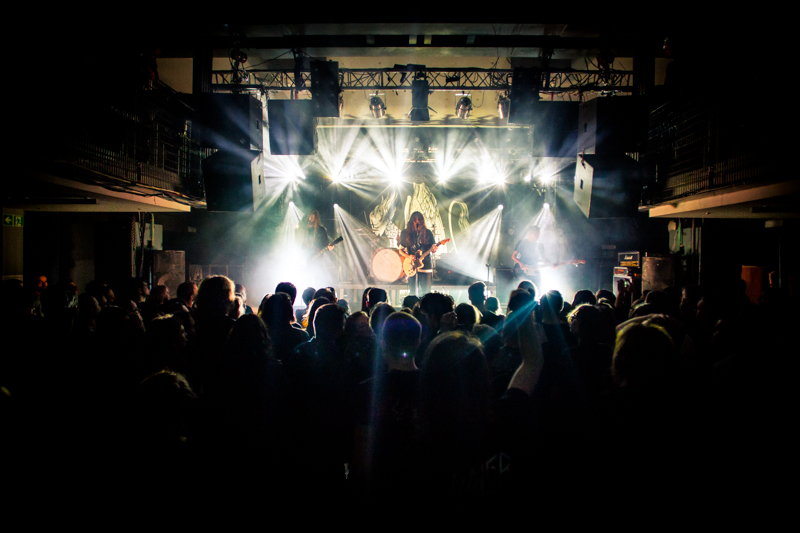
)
(386, 265)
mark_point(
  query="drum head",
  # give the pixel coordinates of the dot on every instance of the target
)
(386, 265)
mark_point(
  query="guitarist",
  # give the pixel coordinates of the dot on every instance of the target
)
(315, 238)
(418, 238)
(527, 255)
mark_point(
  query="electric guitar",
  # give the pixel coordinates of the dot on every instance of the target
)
(413, 262)
(529, 270)
(324, 249)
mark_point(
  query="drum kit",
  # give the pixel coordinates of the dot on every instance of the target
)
(386, 264)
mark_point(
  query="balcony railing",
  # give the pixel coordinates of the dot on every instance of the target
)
(139, 138)
(700, 143)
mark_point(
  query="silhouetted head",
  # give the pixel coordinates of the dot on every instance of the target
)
(527, 285)
(187, 291)
(434, 305)
(276, 310)
(329, 322)
(378, 315)
(477, 293)
(400, 336)
(644, 356)
(249, 341)
(308, 294)
(584, 296)
(215, 295)
(467, 315)
(287, 288)
(455, 381)
(410, 301)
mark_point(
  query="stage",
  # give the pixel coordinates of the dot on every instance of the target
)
(397, 291)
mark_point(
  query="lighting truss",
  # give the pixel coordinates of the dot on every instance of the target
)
(554, 80)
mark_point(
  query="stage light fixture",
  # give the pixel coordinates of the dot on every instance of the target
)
(546, 205)
(335, 206)
(463, 108)
(500, 207)
(377, 107)
(503, 105)
(527, 178)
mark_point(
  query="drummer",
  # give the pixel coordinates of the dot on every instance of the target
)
(418, 238)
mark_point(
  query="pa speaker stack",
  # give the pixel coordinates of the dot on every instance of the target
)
(291, 127)
(608, 182)
(292, 123)
(325, 88)
(232, 176)
(230, 122)
(524, 95)
(234, 180)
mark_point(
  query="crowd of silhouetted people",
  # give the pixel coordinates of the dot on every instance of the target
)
(317, 397)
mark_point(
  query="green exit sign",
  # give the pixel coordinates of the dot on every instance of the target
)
(14, 220)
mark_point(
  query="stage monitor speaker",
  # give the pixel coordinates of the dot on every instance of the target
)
(325, 88)
(234, 180)
(555, 129)
(291, 127)
(230, 122)
(524, 95)
(607, 186)
(612, 125)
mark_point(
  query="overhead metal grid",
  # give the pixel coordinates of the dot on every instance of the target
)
(556, 81)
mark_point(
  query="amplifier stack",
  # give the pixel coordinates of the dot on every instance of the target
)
(629, 269)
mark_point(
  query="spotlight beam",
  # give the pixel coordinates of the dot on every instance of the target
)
(357, 247)
(477, 246)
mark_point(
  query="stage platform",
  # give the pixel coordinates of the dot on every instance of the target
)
(397, 291)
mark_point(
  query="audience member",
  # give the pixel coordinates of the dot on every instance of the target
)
(241, 291)
(477, 297)
(308, 296)
(186, 293)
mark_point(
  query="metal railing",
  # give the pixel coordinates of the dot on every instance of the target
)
(699, 143)
(134, 138)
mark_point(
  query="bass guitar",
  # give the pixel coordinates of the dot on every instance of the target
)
(413, 263)
(529, 270)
